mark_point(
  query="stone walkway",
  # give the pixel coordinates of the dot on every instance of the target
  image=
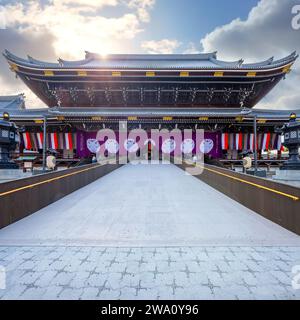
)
(147, 232)
(149, 273)
(146, 205)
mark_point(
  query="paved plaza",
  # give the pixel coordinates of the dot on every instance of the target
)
(148, 232)
(149, 273)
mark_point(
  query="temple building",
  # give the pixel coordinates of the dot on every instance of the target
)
(188, 91)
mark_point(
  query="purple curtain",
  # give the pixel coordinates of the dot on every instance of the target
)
(211, 144)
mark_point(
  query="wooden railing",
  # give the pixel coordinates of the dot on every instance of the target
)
(275, 201)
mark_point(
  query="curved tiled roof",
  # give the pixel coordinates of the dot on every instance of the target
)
(152, 61)
(15, 106)
(8, 103)
(186, 112)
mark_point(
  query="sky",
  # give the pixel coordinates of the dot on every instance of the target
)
(250, 29)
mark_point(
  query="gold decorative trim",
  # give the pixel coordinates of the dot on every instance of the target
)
(82, 73)
(184, 74)
(39, 121)
(261, 121)
(116, 74)
(150, 74)
(14, 67)
(287, 69)
(219, 74)
(49, 73)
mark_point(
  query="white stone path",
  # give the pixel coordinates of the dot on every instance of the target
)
(148, 231)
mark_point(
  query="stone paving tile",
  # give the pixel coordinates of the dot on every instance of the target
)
(14, 292)
(62, 278)
(29, 277)
(52, 292)
(96, 280)
(89, 293)
(33, 293)
(149, 273)
(71, 294)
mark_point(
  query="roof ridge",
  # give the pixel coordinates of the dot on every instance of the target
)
(151, 59)
(145, 56)
(13, 101)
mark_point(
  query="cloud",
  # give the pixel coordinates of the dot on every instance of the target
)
(143, 7)
(266, 32)
(161, 46)
(65, 28)
(74, 31)
(191, 48)
(20, 42)
(88, 3)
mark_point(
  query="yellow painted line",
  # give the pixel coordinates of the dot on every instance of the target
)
(46, 181)
(295, 198)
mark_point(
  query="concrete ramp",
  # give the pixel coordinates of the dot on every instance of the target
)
(147, 205)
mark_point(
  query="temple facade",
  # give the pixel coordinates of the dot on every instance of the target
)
(193, 80)
(149, 92)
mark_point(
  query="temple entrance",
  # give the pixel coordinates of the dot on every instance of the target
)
(149, 150)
